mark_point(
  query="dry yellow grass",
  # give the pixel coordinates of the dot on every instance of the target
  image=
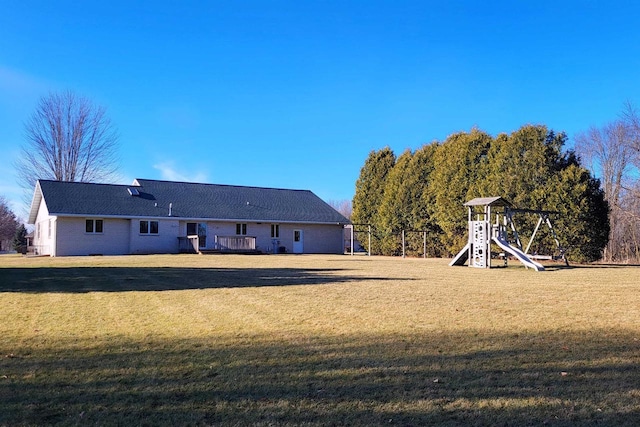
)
(306, 340)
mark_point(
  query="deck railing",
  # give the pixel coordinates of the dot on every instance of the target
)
(191, 244)
(235, 243)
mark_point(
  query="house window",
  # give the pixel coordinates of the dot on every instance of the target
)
(192, 228)
(241, 229)
(38, 231)
(50, 227)
(275, 230)
(93, 226)
(148, 227)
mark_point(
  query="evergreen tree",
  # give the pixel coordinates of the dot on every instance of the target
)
(422, 218)
(20, 240)
(519, 168)
(519, 165)
(395, 207)
(8, 224)
(369, 192)
(459, 165)
(583, 219)
(427, 189)
(531, 170)
(407, 205)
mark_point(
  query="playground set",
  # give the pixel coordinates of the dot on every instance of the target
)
(490, 220)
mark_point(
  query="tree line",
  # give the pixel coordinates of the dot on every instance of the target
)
(12, 233)
(423, 191)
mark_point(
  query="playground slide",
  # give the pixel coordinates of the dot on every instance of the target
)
(462, 256)
(522, 257)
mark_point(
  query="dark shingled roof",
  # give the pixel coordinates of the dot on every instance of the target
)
(188, 200)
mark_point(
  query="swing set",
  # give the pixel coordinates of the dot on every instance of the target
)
(491, 221)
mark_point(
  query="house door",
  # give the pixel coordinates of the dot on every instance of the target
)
(202, 234)
(200, 229)
(298, 242)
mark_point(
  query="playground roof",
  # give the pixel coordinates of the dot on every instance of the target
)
(488, 201)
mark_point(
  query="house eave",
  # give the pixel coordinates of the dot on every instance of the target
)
(178, 218)
(35, 204)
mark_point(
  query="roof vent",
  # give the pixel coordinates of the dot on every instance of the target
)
(133, 191)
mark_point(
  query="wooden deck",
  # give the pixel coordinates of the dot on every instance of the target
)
(222, 245)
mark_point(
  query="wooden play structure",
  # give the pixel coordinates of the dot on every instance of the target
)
(490, 222)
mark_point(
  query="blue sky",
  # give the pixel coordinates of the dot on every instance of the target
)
(295, 94)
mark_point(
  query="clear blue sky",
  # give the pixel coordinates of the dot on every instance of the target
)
(295, 94)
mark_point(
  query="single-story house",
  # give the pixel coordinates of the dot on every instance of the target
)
(150, 216)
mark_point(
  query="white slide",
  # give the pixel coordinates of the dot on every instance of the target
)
(462, 256)
(522, 257)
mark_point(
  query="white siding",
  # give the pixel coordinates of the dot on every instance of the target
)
(42, 239)
(72, 238)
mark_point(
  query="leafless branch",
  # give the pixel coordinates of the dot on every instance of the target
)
(67, 138)
(613, 153)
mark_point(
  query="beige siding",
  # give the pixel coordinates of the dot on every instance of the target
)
(222, 229)
(264, 242)
(318, 239)
(72, 238)
(166, 241)
(122, 236)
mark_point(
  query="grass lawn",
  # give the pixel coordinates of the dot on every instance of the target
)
(315, 340)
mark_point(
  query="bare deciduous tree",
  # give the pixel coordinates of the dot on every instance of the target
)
(609, 150)
(342, 206)
(631, 117)
(613, 152)
(68, 138)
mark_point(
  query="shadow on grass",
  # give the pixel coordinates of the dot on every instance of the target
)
(121, 279)
(423, 379)
(606, 265)
(548, 267)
